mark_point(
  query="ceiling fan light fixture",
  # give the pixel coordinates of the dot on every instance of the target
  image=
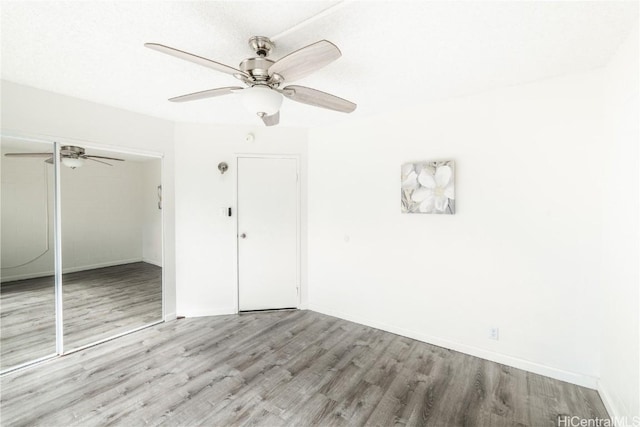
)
(72, 162)
(261, 100)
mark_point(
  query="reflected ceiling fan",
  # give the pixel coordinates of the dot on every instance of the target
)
(263, 96)
(71, 156)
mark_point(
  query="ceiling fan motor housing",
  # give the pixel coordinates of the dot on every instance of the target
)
(71, 151)
(257, 68)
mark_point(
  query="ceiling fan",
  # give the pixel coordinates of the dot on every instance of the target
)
(263, 96)
(71, 155)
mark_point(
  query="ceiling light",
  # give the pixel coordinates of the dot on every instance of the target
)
(261, 100)
(72, 162)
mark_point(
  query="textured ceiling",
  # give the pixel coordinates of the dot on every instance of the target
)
(395, 54)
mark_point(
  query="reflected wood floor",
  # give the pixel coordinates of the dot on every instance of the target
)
(97, 303)
(282, 368)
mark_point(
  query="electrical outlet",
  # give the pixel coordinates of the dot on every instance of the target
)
(494, 333)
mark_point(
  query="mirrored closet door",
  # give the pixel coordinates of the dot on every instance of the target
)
(93, 271)
(111, 246)
(27, 288)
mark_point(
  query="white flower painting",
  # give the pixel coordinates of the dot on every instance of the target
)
(428, 187)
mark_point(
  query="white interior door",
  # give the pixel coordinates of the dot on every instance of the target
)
(267, 233)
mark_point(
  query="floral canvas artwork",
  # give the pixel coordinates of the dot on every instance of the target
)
(428, 187)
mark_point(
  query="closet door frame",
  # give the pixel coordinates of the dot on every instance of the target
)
(56, 143)
(57, 247)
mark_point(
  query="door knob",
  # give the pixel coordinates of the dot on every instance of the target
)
(243, 235)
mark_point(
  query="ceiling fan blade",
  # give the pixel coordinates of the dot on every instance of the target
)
(198, 60)
(28, 154)
(305, 61)
(206, 94)
(317, 98)
(91, 157)
(271, 120)
(99, 161)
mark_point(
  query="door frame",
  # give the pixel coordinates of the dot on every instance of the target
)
(236, 269)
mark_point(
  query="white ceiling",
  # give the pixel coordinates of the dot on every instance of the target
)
(395, 54)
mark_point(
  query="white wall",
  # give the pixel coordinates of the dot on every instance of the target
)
(206, 241)
(620, 298)
(50, 116)
(26, 211)
(101, 215)
(522, 252)
(152, 223)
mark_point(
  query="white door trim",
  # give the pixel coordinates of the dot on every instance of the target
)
(234, 212)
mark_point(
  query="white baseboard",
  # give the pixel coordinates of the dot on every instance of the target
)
(610, 402)
(101, 265)
(16, 277)
(218, 312)
(169, 317)
(208, 312)
(515, 362)
(152, 261)
(69, 270)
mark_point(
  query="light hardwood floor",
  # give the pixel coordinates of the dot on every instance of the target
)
(282, 368)
(97, 303)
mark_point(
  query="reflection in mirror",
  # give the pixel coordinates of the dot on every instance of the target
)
(27, 288)
(111, 245)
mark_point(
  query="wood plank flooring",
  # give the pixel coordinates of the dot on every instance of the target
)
(282, 368)
(97, 303)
